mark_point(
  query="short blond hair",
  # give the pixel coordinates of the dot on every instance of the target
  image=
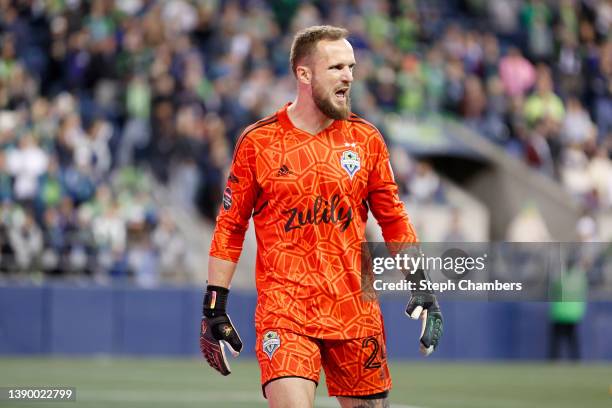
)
(307, 39)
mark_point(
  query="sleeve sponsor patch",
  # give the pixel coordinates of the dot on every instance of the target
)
(227, 198)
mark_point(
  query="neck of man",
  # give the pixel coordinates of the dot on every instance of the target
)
(306, 116)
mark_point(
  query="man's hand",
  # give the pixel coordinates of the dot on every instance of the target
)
(425, 306)
(217, 330)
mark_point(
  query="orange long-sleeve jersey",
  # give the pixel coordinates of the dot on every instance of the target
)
(309, 197)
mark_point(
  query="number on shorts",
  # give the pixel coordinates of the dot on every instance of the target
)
(371, 362)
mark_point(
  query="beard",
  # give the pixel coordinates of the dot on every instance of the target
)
(323, 100)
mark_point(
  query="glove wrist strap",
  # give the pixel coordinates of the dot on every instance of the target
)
(215, 301)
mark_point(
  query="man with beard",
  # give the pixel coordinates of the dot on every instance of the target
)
(308, 176)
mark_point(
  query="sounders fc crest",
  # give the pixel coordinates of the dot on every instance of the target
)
(350, 162)
(271, 342)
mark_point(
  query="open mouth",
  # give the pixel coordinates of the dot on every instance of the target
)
(341, 94)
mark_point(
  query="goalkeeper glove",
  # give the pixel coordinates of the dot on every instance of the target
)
(424, 305)
(217, 330)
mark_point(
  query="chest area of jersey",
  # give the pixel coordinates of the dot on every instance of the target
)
(314, 167)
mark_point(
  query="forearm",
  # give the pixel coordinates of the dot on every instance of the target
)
(220, 272)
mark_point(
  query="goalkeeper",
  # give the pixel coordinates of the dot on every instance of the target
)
(308, 175)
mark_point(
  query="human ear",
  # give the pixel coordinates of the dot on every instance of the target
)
(303, 74)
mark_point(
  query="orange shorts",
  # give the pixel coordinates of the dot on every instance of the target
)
(353, 368)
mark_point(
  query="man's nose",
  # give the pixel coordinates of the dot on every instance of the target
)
(347, 75)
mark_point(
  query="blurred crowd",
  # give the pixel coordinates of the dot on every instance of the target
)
(100, 100)
(538, 82)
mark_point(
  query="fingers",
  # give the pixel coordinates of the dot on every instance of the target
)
(416, 313)
(418, 302)
(425, 351)
(423, 324)
(232, 349)
(225, 367)
(414, 307)
(216, 335)
(214, 354)
(425, 347)
(431, 332)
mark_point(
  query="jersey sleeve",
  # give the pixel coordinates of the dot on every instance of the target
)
(237, 206)
(383, 197)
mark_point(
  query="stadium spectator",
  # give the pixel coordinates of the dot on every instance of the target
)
(601, 90)
(6, 183)
(109, 230)
(528, 226)
(577, 127)
(26, 241)
(543, 103)
(26, 163)
(455, 232)
(517, 74)
(494, 124)
(171, 248)
(569, 67)
(425, 185)
(567, 311)
(142, 262)
(504, 15)
(600, 172)
(78, 183)
(50, 189)
(454, 86)
(81, 256)
(56, 243)
(433, 72)
(569, 292)
(92, 151)
(537, 17)
(474, 100)
(575, 173)
(539, 154)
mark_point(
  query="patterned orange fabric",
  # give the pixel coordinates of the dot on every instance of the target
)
(354, 367)
(309, 197)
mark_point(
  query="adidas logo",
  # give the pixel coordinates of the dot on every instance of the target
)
(284, 171)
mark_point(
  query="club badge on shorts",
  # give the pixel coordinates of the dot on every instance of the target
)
(271, 342)
(350, 162)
